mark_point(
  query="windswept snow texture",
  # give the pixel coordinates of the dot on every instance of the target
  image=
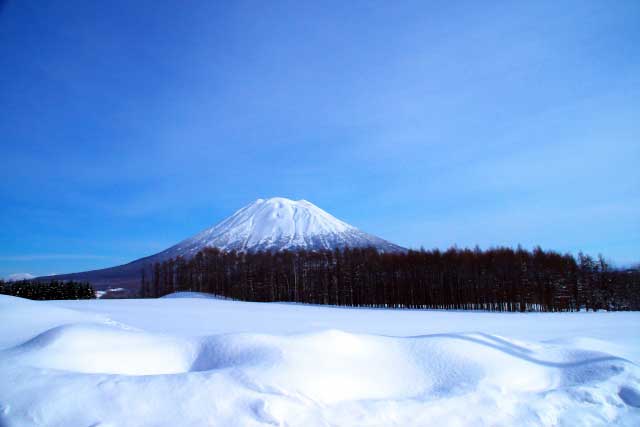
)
(279, 224)
(209, 362)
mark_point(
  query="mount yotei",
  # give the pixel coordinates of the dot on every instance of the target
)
(280, 224)
(274, 224)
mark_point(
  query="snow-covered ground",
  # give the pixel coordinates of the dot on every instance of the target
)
(194, 361)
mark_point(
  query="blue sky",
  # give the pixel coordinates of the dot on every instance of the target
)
(128, 126)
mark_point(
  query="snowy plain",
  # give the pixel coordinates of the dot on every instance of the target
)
(192, 360)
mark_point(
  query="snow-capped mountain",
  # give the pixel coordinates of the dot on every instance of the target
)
(279, 224)
(274, 224)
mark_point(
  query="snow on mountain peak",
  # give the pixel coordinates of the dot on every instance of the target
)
(279, 223)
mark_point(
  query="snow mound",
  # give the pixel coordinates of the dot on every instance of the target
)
(28, 318)
(95, 348)
(327, 367)
(335, 366)
(104, 372)
(187, 294)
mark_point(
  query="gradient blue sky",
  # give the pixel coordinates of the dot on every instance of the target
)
(127, 126)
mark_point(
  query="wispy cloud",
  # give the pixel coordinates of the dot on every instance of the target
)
(36, 257)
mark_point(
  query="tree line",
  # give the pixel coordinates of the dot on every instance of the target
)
(55, 289)
(498, 279)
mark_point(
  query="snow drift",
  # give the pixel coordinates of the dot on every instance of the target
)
(121, 375)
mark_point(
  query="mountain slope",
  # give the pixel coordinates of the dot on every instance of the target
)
(274, 224)
(279, 224)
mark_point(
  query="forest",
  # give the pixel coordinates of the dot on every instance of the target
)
(497, 279)
(55, 289)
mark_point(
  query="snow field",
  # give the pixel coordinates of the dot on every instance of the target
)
(97, 365)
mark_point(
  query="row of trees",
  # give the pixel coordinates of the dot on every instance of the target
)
(499, 279)
(54, 289)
